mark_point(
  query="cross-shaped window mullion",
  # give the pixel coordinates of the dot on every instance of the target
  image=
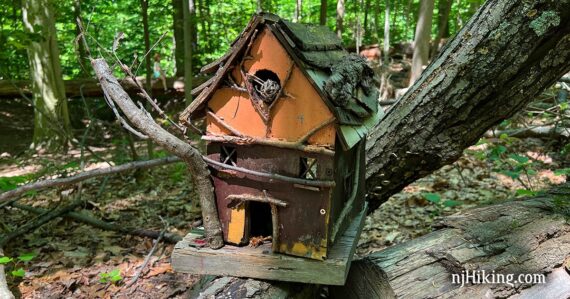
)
(308, 169)
(228, 155)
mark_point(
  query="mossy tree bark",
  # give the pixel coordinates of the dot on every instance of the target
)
(51, 118)
(506, 55)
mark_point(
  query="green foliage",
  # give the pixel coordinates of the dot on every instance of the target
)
(432, 197)
(5, 260)
(17, 271)
(20, 272)
(26, 257)
(436, 199)
(114, 276)
(218, 23)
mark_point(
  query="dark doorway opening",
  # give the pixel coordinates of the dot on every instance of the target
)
(260, 219)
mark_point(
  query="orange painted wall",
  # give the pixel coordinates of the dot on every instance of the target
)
(292, 117)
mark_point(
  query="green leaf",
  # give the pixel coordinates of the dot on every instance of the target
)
(115, 272)
(116, 278)
(520, 159)
(452, 203)
(525, 192)
(432, 197)
(5, 260)
(563, 106)
(19, 272)
(512, 174)
(562, 171)
(26, 257)
(504, 136)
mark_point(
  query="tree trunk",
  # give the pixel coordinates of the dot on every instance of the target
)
(339, 17)
(421, 39)
(80, 47)
(298, 10)
(148, 66)
(188, 33)
(365, 23)
(323, 14)
(444, 8)
(530, 236)
(386, 53)
(51, 118)
(178, 28)
(500, 61)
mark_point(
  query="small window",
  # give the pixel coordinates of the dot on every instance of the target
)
(308, 168)
(228, 155)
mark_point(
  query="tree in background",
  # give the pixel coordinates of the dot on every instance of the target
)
(323, 13)
(178, 28)
(189, 12)
(298, 11)
(51, 118)
(421, 39)
(339, 17)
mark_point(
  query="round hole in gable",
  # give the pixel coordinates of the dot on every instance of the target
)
(266, 85)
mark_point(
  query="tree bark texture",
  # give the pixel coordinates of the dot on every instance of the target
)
(142, 121)
(178, 28)
(323, 13)
(422, 39)
(339, 17)
(45, 72)
(188, 33)
(530, 236)
(506, 55)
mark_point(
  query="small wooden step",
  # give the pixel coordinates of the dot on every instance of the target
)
(191, 255)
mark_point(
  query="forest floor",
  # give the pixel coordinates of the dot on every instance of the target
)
(71, 259)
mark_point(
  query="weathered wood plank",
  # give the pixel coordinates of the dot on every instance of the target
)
(262, 263)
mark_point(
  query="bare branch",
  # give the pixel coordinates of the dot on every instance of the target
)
(171, 143)
(85, 175)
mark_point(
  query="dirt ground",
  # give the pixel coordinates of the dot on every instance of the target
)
(72, 259)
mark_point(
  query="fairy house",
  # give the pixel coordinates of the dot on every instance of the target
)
(286, 112)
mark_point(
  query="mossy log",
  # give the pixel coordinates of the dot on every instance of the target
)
(522, 236)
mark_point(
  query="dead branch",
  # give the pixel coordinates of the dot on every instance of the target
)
(85, 176)
(171, 143)
(534, 132)
(86, 219)
(4, 290)
(271, 176)
(147, 259)
(41, 220)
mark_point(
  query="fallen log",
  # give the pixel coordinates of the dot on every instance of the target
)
(91, 87)
(544, 132)
(84, 176)
(94, 222)
(523, 236)
(530, 236)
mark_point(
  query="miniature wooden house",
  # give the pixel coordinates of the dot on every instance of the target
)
(287, 112)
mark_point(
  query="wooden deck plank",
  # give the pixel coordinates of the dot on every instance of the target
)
(262, 263)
